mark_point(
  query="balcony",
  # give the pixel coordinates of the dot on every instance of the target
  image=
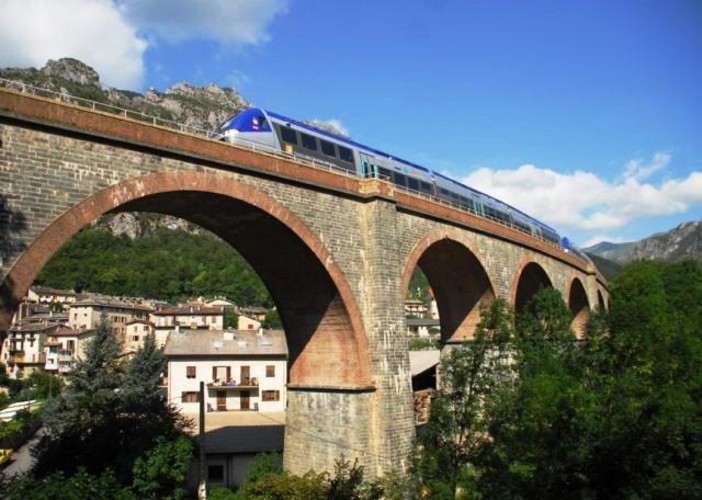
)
(245, 385)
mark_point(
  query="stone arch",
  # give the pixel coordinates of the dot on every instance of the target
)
(600, 301)
(326, 338)
(529, 280)
(579, 307)
(458, 279)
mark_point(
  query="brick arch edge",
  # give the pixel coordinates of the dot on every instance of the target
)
(39, 251)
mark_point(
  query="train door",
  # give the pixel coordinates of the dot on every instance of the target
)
(367, 165)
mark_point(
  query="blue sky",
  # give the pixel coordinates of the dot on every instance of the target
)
(586, 114)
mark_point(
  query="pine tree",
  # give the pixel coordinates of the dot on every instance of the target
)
(82, 420)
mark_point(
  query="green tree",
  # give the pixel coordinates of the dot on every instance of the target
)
(263, 464)
(231, 319)
(538, 424)
(644, 368)
(109, 415)
(4, 377)
(44, 385)
(78, 486)
(82, 420)
(468, 376)
(163, 471)
(272, 319)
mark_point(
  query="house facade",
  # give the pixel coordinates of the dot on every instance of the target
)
(241, 370)
(85, 314)
(24, 349)
(64, 348)
(186, 317)
(136, 332)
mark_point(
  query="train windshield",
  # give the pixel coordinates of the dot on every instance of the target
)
(251, 120)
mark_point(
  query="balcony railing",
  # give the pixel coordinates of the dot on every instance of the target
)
(245, 385)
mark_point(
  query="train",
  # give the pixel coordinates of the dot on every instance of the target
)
(263, 129)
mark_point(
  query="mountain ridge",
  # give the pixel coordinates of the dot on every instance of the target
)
(680, 243)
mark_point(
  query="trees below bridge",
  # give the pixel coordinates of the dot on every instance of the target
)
(167, 264)
(531, 413)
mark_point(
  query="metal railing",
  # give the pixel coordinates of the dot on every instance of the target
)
(103, 107)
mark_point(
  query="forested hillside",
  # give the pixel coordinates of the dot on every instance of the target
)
(166, 264)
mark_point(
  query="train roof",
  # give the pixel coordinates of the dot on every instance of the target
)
(355, 144)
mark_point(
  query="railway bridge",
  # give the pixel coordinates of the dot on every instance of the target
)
(335, 251)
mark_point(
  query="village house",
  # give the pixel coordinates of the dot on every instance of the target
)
(23, 351)
(188, 316)
(247, 323)
(64, 348)
(244, 375)
(242, 370)
(136, 332)
(86, 314)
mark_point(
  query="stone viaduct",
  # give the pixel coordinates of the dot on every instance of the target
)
(336, 253)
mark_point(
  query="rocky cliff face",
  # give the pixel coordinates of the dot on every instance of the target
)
(199, 107)
(680, 243)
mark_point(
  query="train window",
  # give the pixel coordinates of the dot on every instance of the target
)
(466, 203)
(425, 187)
(521, 225)
(384, 173)
(346, 154)
(399, 179)
(288, 135)
(309, 142)
(413, 184)
(327, 148)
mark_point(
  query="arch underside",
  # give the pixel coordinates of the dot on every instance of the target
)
(532, 279)
(326, 344)
(460, 285)
(579, 307)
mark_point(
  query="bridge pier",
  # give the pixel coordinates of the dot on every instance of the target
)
(324, 424)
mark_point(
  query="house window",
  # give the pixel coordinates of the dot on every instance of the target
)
(270, 370)
(270, 395)
(190, 371)
(190, 397)
(135, 338)
(215, 473)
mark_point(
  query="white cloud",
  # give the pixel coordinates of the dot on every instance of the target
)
(34, 31)
(112, 36)
(230, 22)
(332, 125)
(639, 169)
(583, 202)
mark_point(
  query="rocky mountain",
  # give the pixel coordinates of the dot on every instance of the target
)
(199, 107)
(680, 243)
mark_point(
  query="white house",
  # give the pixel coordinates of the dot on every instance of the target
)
(242, 370)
